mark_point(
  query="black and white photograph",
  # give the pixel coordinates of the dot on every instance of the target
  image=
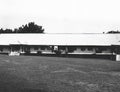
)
(59, 46)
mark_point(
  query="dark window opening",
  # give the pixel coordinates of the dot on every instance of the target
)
(35, 48)
(43, 48)
(90, 49)
(71, 49)
(82, 49)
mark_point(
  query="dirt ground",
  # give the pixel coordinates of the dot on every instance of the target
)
(58, 74)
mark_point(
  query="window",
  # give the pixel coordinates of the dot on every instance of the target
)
(82, 49)
(35, 48)
(90, 49)
(71, 49)
(43, 48)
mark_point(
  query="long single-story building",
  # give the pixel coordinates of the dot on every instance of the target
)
(88, 43)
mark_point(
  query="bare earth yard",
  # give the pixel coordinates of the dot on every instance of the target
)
(58, 74)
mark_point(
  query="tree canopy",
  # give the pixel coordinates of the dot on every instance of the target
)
(113, 32)
(31, 27)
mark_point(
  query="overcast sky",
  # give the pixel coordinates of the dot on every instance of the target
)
(62, 16)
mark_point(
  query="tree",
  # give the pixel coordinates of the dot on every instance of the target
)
(8, 30)
(31, 27)
(1, 30)
(114, 32)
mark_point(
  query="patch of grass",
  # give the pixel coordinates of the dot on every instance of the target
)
(58, 74)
